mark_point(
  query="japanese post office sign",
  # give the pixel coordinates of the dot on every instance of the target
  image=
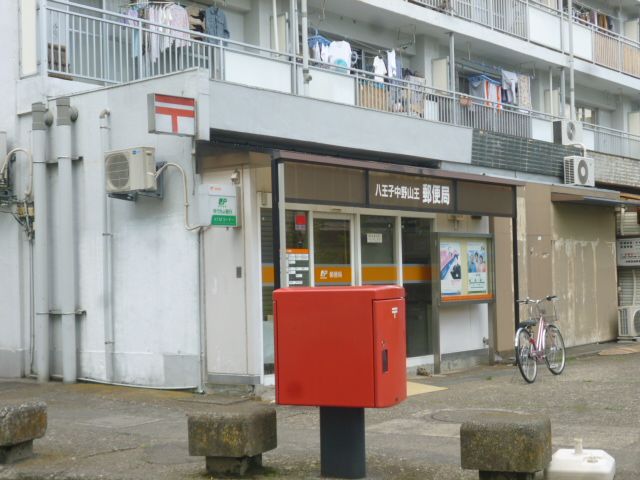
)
(219, 206)
(170, 114)
(408, 191)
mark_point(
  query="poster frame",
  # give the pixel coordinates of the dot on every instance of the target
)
(463, 238)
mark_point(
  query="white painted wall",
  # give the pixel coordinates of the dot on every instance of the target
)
(156, 287)
(462, 327)
(257, 71)
(331, 86)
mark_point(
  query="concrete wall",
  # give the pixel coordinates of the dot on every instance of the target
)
(569, 251)
(316, 122)
(584, 272)
(502, 311)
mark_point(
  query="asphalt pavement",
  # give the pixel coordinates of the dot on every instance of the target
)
(100, 431)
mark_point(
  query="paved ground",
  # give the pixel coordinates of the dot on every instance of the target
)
(98, 431)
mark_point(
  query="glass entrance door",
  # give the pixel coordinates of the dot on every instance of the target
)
(332, 250)
(416, 273)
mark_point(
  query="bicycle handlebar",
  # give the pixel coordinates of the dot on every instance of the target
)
(528, 300)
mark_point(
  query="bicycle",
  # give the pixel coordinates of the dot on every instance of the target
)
(548, 345)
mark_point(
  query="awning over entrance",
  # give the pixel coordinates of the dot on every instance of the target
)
(591, 196)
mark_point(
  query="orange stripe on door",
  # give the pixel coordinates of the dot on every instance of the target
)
(416, 273)
(268, 274)
(462, 298)
(379, 273)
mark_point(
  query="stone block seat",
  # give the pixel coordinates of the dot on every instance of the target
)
(20, 425)
(506, 445)
(233, 438)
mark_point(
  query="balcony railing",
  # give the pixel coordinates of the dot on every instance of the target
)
(103, 47)
(538, 22)
(509, 16)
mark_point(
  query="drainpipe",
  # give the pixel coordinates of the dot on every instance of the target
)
(452, 75)
(306, 77)
(66, 241)
(40, 256)
(563, 93)
(276, 40)
(107, 255)
(572, 90)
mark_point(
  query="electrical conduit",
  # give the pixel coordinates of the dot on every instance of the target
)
(41, 259)
(66, 241)
(107, 255)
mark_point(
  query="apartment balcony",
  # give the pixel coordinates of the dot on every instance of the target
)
(105, 48)
(540, 22)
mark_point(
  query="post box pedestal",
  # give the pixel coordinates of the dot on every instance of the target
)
(342, 447)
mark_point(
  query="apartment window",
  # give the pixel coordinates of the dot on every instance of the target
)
(587, 115)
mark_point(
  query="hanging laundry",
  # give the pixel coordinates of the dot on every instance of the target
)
(509, 87)
(486, 88)
(340, 54)
(215, 24)
(132, 21)
(379, 68)
(316, 44)
(391, 64)
(524, 91)
(178, 19)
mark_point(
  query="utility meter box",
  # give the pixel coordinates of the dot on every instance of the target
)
(340, 346)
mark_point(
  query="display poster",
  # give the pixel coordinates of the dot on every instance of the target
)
(466, 269)
(298, 267)
(477, 267)
(450, 269)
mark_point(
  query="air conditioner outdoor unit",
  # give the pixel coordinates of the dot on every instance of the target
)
(579, 171)
(567, 132)
(629, 322)
(130, 170)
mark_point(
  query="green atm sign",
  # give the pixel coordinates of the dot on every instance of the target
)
(223, 216)
(221, 205)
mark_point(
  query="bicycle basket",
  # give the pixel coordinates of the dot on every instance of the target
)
(547, 311)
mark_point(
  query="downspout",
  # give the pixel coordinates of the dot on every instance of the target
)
(41, 251)
(572, 89)
(107, 255)
(276, 40)
(66, 241)
(306, 77)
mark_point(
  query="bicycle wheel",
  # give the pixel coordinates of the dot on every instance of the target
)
(554, 355)
(526, 363)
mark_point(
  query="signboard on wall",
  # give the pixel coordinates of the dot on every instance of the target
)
(465, 269)
(218, 206)
(628, 252)
(170, 114)
(297, 267)
(411, 192)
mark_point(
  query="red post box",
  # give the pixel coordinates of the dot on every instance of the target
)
(340, 346)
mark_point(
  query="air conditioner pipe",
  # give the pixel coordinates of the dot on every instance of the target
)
(107, 255)
(581, 145)
(185, 189)
(66, 241)
(3, 171)
(41, 250)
